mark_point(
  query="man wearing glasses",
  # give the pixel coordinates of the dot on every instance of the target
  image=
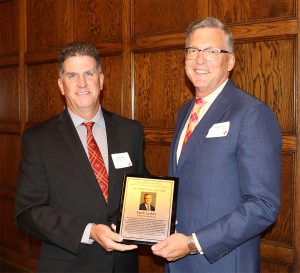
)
(226, 152)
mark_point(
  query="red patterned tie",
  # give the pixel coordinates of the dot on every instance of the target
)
(96, 160)
(193, 119)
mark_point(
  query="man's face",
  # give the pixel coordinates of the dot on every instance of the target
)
(148, 199)
(206, 75)
(81, 84)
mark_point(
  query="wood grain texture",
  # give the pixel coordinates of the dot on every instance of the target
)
(12, 234)
(9, 95)
(9, 28)
(243, 11)
(111, 96)
(44, 99)
(9, 158)
(97, 20)
(254, 30)
(157, 157)
(47, 24)
(276, 252)
(159, 87)
(162, 16)
(140, 43)
(265, 69)
(275, 267)
(282, 230)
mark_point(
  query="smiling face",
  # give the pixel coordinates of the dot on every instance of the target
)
(206, 75)
(81, 84)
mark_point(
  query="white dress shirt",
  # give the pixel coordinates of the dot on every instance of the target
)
(99, 133)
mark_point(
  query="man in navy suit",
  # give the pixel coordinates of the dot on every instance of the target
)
(58, 198)
(229, 168)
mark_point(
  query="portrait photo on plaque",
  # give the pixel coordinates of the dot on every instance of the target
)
(147, 201)
(147, 208)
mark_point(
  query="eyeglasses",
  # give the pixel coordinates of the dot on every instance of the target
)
(210, 54)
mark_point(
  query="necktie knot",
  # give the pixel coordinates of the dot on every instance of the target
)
(198, 104)
(89, 125)
(194, 119)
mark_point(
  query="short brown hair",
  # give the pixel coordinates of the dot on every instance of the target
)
(77, 49)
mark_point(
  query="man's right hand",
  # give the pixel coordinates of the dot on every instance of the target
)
(108, 239)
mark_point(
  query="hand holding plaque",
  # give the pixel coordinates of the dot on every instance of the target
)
(147, 208)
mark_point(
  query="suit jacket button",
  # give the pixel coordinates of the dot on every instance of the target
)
(109, 218)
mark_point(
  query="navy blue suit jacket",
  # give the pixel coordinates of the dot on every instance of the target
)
(229, 187)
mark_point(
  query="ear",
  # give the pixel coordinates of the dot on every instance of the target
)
(61, 86)
(231, 62)
(101, 79)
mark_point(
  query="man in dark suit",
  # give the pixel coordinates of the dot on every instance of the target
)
(229, 164)
(58, 198)
(146, 205)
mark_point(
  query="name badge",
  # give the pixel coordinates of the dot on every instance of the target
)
(219, 130)
(121, 160)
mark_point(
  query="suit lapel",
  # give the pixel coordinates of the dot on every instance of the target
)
(185, 115)
(70, 136)
(212, 116)
(113, 147)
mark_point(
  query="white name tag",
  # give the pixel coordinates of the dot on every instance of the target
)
(219, 130)
(121, 160)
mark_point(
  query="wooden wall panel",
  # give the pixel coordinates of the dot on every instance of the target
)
(156, 16)
(141, 44)
(9, 95)
(97, 20)
(6, 223)
(156, 92)
(157, 156)
(266, 70)
(11, 239)
(47, 24)
(9, 158)
(282, 231)
(233, 11)
(44, 99)
(112, 96)
(9, 27)
(271, 266)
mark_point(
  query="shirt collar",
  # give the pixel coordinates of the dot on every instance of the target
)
(98, 118)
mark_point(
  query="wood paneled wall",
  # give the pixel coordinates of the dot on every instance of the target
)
(141, 44)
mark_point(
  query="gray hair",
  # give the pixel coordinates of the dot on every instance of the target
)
(77, 49)
(211, 22)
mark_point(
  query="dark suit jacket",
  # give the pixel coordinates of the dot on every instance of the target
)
(229, 187)
(58, 194)
(143, 207)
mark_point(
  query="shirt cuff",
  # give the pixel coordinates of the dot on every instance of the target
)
(197, 243)
(85, 239)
